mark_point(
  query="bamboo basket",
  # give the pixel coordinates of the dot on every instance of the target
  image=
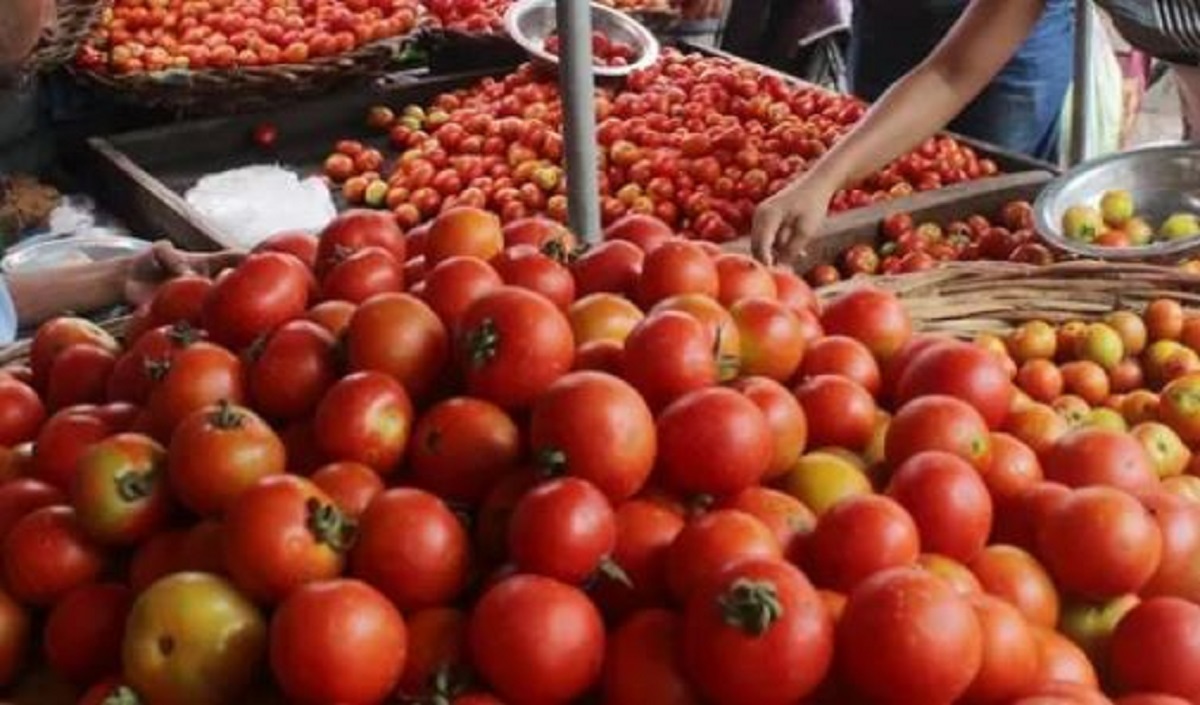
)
(970, 298)
(75, 21)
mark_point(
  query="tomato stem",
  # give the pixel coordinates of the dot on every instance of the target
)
(552, 461)
(611, 570)
(183, 334)
(135, 486)
(330, 525)
(157, 369)
(121, 695)
(751, 605)
(226, 417)
(559, 252)
(483, 342)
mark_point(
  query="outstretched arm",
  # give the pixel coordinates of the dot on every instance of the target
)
(917, 106)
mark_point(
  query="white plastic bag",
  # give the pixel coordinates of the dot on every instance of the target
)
(1106, 110)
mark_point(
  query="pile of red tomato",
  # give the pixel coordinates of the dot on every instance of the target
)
(695, 141)
(475, 464)
(605, 51)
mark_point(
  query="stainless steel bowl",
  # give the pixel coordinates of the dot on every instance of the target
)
(1163, 180)
(531, 22)
(51, 254)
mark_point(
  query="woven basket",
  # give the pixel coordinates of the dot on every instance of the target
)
(76, 18)
(967, 299)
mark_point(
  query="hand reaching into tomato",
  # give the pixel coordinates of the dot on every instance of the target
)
(785, 223)
(163, 262)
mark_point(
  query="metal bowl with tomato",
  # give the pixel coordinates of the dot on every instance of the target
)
(533, 23)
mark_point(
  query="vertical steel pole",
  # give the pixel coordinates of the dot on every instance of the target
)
(1082, 92)
(577, 86)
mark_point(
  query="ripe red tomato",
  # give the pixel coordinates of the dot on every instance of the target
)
(853, 424)
(365, 417)
(967, 372)
(772, 338)
(461, 447)
(543, 233)
(1157, 646)
(1010, 653)
(22, 496)
(82, 636)
(857, 538)
(644, 231)
(1093, 456)
(564, 529)
(645, 531)
(1065, 668)
(1179, 521)
(361, 275)
(454, 284)
(524, 266)
(292, 370)
(333, 316)
(668, 355)
(132, 376)
(642, 664)
(939, 422)
(198, 376)
(677, 267)
(1014, 467)
(217, 453)
(513, 344)
(785, 418)
(872, 316)
(62, 441)
(844, 357)
(15, 636)
(21, 412)
(120, 492)
(413, 549)
(47, 555)
(885, 652)
(265, 291)
(79, 375)
(297, 243)
(58, 334)
(742, 277)
(399, 335)
(710, 544)
(610, 267)
(337, 641)
(437, 643)
(713, 441)
(350, 485)
(464, 231)
(179, 300)
(596, 427)
(948, 501)
(354, 230)
(534, 639)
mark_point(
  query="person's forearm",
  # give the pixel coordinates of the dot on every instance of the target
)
(38, 296)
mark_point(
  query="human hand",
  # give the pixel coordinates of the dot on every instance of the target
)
(785, 222)
(163, 261)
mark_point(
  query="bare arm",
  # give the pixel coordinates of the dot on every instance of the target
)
(917, 106)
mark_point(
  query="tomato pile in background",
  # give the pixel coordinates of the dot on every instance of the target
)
(696, 141)
(476, 465)
(605, 51)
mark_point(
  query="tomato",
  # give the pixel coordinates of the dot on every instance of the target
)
(62, 441)
(525, 267)
(21, 412)
(611, 267)
(645, 532)
(220, 634)
(412, 548)
(742, 277)
(872, 316)
(564, 529)
(534, 639)
(853, 424)
(58, 334)
(642, 663)
(350, 485)
(82, 636)
(1014, 467)
(454, 284)
(858, 537)
(785, 418)
(361, 275)
(1086, 379)
(399, 335)
(596, 427)
(22, 496)
(1010, 653)
(365, 417)
(157, 557)
(464, 231)
(513, 344)
(645, 232)
(948, 501)
(354, 230)
(1100, 543)
(723, 336)
(939, 422)
(1155, 648)
(333, 316)
(772, 338)
(79, 375)
(1150, 699)
(1179, 521)
(844, 357)
(794, 292)
(47, 554)
(290, 373)
(543, 233)
(180, 300)
(677, 268)
(1178, 408)
(297, 243)
(461, 447)
(885, 652)
(132, 376)
(712, 543)
(217, 453)
(198, 376)
(1094, 456)
(495, 513)
(1040, 379)
(265, 291)
(603, 317)
(15, 634)
(1164, 319)
(120, 491)
(967, 372)
(713, 441)
(1065, 668)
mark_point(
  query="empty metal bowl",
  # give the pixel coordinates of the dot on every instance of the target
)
(63, 252)
(531, 22)
(1162, 180)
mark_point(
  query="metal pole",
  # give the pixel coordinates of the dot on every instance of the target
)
(577, 86)
(1082, 95)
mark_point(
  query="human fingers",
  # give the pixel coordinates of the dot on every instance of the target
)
(171, 261)
(212, 263)
(764, 232)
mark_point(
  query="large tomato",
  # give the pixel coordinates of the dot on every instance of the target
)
(461, 447)
(1065, 668)
(297, 243)
(644, 231)
(21, 412)
(645, 531)
(437, 641)
(642, 664)
(82, 636)
(15, 634)
(413, 549)
(677, 267)
(542, 233)
(180, 300)
(512, 345)
(354, 230)
(1010, 653)
(876, 318)
(264, 292)
(47, 555)
(132, 377)
(454, 284)
(1178, 572)
(772, 338)
(858, 537)
(787, 517)
(350, 485)
(1094, 456)
(962, 370)
(948, 501)
(120, 492)
(62, 441)
(526, 267)
(22, 496)
(464, 231)
(840, 412)
(292, 370)
(399, 335)
(1156, 647)
(603, 316)
(218, 452)
(220, 634)
(785, 417)
(723, 335)
(886, 651)
(794, 292)
(58, 334)
(564, 529)
(715, 442)
(844, 357)
(612, 267)
(198, 376)
(366, 417)
(711, 543)
(596, 427)
(333, 316)
(1100, 543)
(1180, 407)
(280, 533)
(536, 640)
(79, 375)
(939, 422)
(495, 513)
(364, 274)
(1014, 467)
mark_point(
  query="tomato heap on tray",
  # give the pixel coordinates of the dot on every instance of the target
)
(605, 51)
(138, 36)
(471, 16)
(696, 141)
(462, 466)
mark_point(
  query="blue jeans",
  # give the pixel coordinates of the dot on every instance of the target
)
(1020, 110)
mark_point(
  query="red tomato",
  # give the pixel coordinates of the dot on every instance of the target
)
(297, 243)
(534, 639)
(217, 453)
(677, 268)
(437, 641)
(58, 334)
(1179, 521)
(543, 233)
(785, 417)
(857, 538)
(713, 441)
(350, 485)
(1014, 467)
(21, 412)
(82, 637)
(361, 275)
(464, 231)
(596, 427)
(794, 292)
(120, 492)
(710, 544)
(399, 335)
(514, 344)
(354, 230)
(874, 317)
(610, 267)
(281, 533)
(413, 549)
(365, 417)
(525, 267)
(1156, 647)
(22, 496)
(644, 231)
(454, 284)
(47, 555)
(645, 532)
(939, 423)
(844, 357)
(333, 316)
(198, 376)
(133, 374)
(338, 641)
(15, 636)
(948, 501)
(885, 652)
(1100, 543)
(180, 300)
(772, 338)
(851, 426)
(79, 375)
(264, 292)
(642, 665)
(1093, 456)
(1010, 653)
(742, 277)
(964, 371)
(564, 529)
(461, 447)
(158, 556)
(292, 370)
(1065, 668)
(63, 440)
